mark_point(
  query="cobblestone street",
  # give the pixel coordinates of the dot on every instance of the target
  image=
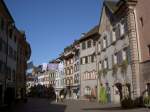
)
(44, 105)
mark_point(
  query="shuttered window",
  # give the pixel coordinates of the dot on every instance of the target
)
(119, 57)
(1, 24)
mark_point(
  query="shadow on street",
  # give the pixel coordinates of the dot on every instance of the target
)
(108, 108)
(36, 105)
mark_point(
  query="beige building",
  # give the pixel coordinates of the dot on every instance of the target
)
(88, 74)
(123, 50)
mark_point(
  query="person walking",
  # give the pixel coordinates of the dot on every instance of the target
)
(57, 97)
(108, 93)
(102, 94)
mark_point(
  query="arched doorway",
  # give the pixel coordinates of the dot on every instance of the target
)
(118, 92)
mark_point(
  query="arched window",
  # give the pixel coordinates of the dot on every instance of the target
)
(87, 90)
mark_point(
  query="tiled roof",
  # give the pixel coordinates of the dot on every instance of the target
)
(91, 32)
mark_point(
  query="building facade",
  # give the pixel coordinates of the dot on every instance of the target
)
(68, 57)
(10, 56)
(113, 54)
(142, 22)
(76, 66)
(123, 49)
(60, 78)
(88, 75)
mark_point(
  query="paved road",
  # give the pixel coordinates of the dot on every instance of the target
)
(44, 105)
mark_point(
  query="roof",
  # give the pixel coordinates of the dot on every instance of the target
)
(112, 5)
(94, 30)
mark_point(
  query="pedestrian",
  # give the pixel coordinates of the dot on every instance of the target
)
(108, 93)
(62, 95)
(102, 94)
(57, 97)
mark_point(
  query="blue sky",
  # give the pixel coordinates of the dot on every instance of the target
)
(51, 25)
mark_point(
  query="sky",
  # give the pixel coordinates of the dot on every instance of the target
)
(51, 25)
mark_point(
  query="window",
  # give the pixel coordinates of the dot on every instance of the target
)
(149, 49)
(86, 59)
(104, 42)
(94, 42)
(1, 42)
(106, 64)
(71, 70)
(124, 55)
(77, 66)
(1, 65)
(10, 51)
(1, 24)
(100, 65)
(99, 47)
(117, 31)
(15, 39)
(142, 22)
(114, 58)
(68, 71)
(71, 61)
(83, 45)
(68, 62)
(92, 58)
(89, 43)
(71, 80)
(87, 90)
(10, 33)
(113, 36)
(119, 57)
(122, 29)
(83, 60)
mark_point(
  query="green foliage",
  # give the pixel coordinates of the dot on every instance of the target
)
(146, 101)
(127, 102)
(124, 66)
